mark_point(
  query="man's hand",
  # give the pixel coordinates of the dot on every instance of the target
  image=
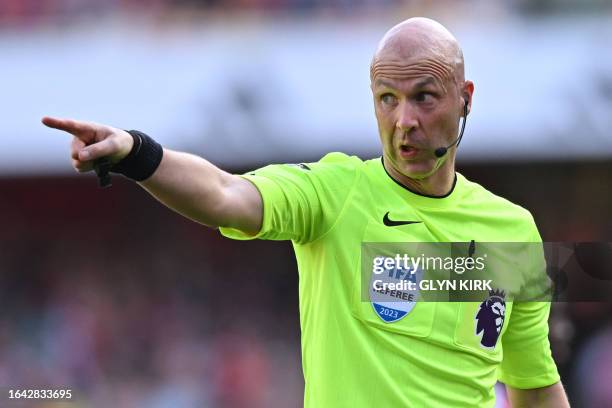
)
(92, 141)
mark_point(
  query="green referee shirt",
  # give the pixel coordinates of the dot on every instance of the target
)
(430, 358)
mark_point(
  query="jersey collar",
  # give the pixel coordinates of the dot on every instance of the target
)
(425, 199)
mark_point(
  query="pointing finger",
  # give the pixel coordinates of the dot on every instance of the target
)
(76, 127)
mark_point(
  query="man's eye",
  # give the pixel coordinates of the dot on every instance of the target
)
(424, 97)
(388, 99)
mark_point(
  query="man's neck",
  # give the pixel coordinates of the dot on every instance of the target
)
(438, 184)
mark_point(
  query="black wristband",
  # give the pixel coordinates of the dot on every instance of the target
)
(143, 159)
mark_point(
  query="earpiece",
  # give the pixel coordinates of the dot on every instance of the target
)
(466, 105)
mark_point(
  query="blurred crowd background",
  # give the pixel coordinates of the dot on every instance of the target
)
(24, 10)
(110, 294)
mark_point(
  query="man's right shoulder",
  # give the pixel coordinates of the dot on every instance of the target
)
(335, 170)
(341, 161)
(333, 159)
(335, 167)
(339, 157)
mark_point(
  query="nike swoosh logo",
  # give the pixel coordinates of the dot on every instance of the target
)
(392, 223)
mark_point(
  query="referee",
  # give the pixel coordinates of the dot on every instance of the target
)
(352, 357)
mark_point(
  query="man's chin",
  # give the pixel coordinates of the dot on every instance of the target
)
(417, 171)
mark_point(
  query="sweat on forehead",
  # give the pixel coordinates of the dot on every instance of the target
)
(418, 44)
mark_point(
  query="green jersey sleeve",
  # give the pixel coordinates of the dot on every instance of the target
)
(527, 360)
(301, 202)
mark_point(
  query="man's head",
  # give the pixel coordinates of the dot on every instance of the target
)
(419, 89)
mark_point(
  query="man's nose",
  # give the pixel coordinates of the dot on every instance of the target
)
(407, 117)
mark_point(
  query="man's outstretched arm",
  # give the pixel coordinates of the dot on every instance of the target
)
(184, 182)
(552, 396)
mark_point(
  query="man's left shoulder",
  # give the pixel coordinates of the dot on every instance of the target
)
(490, 202)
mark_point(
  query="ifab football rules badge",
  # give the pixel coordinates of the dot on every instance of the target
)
(393, 289)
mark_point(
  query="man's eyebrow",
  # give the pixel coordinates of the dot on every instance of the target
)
(420, 84)
(382, 82)
(426, 81)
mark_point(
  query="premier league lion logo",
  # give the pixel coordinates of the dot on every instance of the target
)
(490, 318)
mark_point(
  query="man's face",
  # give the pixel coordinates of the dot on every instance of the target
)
(417, 110)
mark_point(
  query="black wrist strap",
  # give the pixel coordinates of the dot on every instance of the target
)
(143, 159)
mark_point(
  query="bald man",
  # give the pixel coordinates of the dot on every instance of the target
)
(359, 351)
